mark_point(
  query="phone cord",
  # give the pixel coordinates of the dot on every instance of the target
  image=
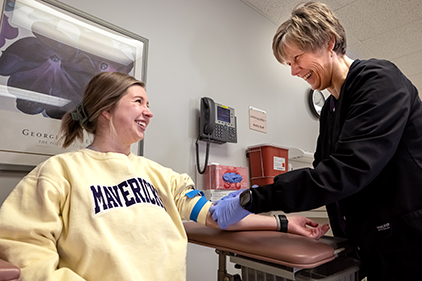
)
(206, 155)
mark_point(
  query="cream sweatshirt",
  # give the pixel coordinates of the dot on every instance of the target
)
(88, 215)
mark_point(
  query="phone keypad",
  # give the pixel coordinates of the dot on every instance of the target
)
(224, 133)
(218, 131)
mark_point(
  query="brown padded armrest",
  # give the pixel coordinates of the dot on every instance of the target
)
(8, 271)
(270, 246)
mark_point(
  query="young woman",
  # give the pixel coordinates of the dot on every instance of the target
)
(103, 213)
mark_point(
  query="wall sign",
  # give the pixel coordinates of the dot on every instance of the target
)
(257, 120)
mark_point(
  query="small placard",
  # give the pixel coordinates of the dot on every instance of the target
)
(257, 120)
(279, 163)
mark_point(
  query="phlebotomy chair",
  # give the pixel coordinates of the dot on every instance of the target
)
(8, 271)
(272, 255)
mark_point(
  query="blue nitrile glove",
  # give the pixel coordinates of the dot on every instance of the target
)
(232, 177)
(228, 211)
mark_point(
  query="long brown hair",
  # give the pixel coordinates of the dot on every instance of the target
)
(103, 92)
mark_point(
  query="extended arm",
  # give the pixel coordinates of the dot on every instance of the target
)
(297, 225)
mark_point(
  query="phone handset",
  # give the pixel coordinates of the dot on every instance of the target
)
(207, 115)
(206, 128)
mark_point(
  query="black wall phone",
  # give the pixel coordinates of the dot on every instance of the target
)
(217, 124)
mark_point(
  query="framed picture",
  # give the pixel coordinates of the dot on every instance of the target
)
(48, 53)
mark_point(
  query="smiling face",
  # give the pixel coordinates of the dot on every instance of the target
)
(131, 116)
(314, 67)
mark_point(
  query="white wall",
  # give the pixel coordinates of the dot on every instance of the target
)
(215, 48)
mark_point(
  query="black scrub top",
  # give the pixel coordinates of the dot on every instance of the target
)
(367, 170)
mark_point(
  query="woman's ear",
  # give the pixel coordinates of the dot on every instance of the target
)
(106, 113)
(331, 43)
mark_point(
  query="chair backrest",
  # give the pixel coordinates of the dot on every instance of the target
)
(8, 271)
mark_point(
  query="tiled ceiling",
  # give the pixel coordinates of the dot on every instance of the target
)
(387, 29)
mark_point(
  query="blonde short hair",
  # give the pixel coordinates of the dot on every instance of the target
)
(311, 26)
